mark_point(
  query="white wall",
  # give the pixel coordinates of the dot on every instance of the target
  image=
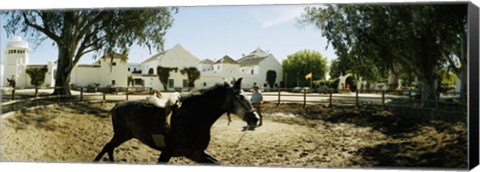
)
(270, 63)
(149, 65)
(16, 64)
(109, 72)
(83, 76)
(178, 57)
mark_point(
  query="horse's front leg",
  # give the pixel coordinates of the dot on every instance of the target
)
(203, 158)
(165, 156)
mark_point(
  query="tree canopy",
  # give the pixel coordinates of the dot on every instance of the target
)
(78, 32)
(407, 38)
(163, 74)
(271, 78)
(37, 75)
(301, 63)
(192, 75)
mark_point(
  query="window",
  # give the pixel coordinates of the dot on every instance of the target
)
(204, 84)
(185, 83)
(138, 81)
(114, 63)
(129, 69)
(252, 71)
(170, 83)
(113, 82)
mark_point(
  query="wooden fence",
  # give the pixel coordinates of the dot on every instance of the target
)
(11, 99)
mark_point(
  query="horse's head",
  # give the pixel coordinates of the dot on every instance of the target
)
(241, 106)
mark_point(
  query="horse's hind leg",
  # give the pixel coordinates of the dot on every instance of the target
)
(203, 158)
(116, 141)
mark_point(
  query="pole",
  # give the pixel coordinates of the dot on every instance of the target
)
(311, 81)
(297, 79)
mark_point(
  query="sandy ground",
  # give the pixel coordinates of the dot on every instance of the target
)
(292, 136)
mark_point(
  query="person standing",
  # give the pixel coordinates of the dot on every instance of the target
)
(256, 101)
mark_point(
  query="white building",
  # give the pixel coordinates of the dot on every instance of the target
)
(176, 57)
(16, 62)
(115, 71)
(252, 68)
(106, 71)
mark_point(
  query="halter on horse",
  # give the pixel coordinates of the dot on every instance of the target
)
(189, 131)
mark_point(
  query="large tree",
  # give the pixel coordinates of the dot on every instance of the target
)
(78, 32)
(398, 38)
(301, 63)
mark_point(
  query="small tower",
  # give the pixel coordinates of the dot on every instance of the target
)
(16, 61)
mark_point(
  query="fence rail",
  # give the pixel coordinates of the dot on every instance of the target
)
(13, 98)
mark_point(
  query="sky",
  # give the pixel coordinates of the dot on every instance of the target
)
(215, 31)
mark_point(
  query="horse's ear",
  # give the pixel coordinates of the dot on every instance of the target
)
(238, 84)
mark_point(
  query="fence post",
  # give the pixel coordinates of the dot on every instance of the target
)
(36, 91)
(304, 97)
(410, 97)
(13, 94)
(383, 97)
(278, 103)
(150, 92)
(127, 93)
(104, 95)
(356, 98)
(13, 98)
(330, 105)
(81, 93)
(58, 97)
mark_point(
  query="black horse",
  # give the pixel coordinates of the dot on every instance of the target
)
(188, 132)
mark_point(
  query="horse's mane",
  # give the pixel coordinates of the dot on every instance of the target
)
(201, 95)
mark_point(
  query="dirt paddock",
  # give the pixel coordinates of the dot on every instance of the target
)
(292, 136)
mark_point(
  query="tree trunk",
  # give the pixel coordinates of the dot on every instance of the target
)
(463, 83)
(392, 80)
(64, 68)
(429, 89)
(66, 48)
